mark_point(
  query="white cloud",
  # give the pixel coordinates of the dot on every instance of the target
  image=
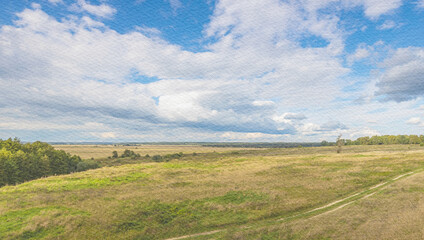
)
(102, 10)
(184, 107)
(24, 124)
(361, 132)
(262, 103)
(292, 118)
(360, 54)
(151, 32)
(56, 1)
(376, 8)
(108, 135)
(420, 3)
(35, 6)
(388, 24)
(414, 121)
(369, 54)
(310, 129)
(328, 128)
(175, 4)
(253, 136)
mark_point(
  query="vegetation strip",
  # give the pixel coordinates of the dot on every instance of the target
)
(331, 207)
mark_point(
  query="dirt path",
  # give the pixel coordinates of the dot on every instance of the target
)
(348, 200)
(328, 208)
(196, 235)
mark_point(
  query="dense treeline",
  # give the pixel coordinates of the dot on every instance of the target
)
(127, 154)
(22, 162)
(156, 158)
(262, 144)
(381, 140)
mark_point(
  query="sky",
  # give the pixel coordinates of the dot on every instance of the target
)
(225, 70)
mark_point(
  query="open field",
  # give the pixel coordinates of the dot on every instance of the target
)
(104, 151)
(245, 194)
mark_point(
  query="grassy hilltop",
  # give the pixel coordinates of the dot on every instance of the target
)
(241, 193)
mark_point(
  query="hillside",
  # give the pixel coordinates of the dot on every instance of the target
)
(243, 194)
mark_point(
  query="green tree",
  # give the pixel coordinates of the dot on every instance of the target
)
(414, 139)
(339, 143)
(22, 162)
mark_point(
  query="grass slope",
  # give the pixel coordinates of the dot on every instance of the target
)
(202, 193)
(395, 212)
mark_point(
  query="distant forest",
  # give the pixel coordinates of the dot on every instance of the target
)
(23, 162)
(261, 144)
(381, 140)
(375, 140)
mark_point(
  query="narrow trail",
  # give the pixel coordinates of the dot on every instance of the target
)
(328, 208)
(350, 199)
(196, 234)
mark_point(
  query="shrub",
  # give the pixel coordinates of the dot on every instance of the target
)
(157, 158)
(339, 143)
(174, 156)
(86, 165)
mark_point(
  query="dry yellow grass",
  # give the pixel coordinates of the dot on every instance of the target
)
(395, 212)
(104, 151)
(204, 193)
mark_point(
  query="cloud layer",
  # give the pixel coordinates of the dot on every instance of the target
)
(403, 78)
(259, 77)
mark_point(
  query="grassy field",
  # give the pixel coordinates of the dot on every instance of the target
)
(104, 151)
(394, 212)
(246, 194)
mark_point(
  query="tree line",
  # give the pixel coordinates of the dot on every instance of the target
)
(260, 144)
(21, 162)
(381, 140)
(156, 158)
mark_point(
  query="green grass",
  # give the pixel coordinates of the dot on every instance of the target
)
(74, 182)
(14, 224)
(157, 218)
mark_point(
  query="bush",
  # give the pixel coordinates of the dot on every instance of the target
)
(130, 154)
(174, 156)
(157, 158)
(86, 165)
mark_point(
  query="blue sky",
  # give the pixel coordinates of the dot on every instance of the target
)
(174, 70)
